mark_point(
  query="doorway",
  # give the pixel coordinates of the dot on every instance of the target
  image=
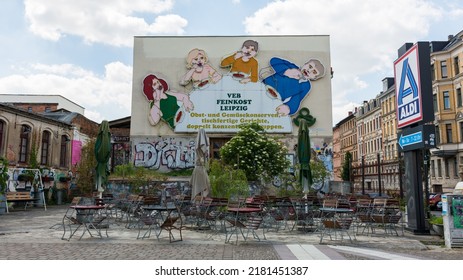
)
(216, 144)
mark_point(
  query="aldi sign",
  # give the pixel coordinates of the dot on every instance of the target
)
(413, 85)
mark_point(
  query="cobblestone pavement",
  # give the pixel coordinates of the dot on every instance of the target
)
(26, 235)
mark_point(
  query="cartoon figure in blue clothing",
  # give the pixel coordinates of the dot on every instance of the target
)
(290, 83)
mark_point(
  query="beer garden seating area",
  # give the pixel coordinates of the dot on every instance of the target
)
(336, 217)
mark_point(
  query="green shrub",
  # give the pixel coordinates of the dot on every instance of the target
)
(436, 220)
(226, 181)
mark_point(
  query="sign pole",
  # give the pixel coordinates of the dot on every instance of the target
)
(414, 193)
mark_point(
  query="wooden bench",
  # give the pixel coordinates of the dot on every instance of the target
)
(20, 197)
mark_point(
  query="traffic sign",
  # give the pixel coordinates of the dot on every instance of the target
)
(411, 139)
(419, 137)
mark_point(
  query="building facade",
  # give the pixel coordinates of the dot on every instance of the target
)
(56, 136)
(370, 146)
(446, 164)
(184, 84)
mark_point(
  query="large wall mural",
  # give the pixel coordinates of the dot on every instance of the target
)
(220, 101)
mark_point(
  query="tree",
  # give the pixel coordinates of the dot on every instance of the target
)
(346, 167)
(257, 154)
(85, 178)
(319, 171)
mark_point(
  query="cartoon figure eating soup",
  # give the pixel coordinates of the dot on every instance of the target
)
(200, 72)
(164, 103)
(243, 65)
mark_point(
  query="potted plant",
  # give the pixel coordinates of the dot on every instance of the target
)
(437, 224)
(25, 177)
(47, 176)
(64, 179)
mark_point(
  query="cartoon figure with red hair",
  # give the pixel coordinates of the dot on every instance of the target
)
(164, 103)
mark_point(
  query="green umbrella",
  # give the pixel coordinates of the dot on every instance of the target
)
(102, 154)
(303, 154)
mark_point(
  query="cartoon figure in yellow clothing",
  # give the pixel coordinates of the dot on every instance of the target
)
(244, 66)
(200, 72)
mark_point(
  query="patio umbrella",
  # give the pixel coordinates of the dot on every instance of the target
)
(199, 179)
(303, 154)
(102, 154)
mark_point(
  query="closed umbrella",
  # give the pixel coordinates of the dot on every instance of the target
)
(303, 154)
(102, 154)
(199, 182)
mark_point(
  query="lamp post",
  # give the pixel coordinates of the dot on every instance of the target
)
(363, 175)
(378, 159)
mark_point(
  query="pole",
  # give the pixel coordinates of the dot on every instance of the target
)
(426, 183)
(401, 187)
(379, 173)
(363, 175)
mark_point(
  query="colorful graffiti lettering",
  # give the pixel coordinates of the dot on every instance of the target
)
(166, 153)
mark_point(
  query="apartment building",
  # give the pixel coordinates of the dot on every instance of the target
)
(370, 147)
(446, 166)
(337, 162)
(344, 140)
(390, 172)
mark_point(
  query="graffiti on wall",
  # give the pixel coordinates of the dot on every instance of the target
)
(165, 153)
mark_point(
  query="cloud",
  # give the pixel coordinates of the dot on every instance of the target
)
(364, 38)
(112, 22)
(102, 97)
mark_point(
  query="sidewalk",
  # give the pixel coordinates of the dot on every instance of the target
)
(26, 235)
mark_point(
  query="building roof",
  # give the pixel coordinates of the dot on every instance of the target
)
(37, 116)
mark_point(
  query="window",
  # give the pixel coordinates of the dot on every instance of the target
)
(446, 168)
(29, 109)
(439, 168)
(455, 168)
(63, 151)
(45, 148)
(433, 74)
(47, 109)
(456, 65)
(443, 69)
(2, 136)
(434, 101)
(437, 135)
(24, 143)
(433, 170)
(461, 131)
(459, 100)
(448, 132)
(446, 100)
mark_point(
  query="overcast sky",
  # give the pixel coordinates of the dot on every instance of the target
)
(83, 51)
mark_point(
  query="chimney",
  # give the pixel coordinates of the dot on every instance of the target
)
(350, 113)
(450, 37)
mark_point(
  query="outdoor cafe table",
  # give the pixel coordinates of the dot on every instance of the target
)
(168, 220)
(169, 208)
(86, 216)
(244, 210)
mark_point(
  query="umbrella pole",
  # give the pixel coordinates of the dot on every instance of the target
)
(98, 187)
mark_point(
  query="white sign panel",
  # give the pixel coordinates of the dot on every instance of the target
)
(408, 92)
(219, 110)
